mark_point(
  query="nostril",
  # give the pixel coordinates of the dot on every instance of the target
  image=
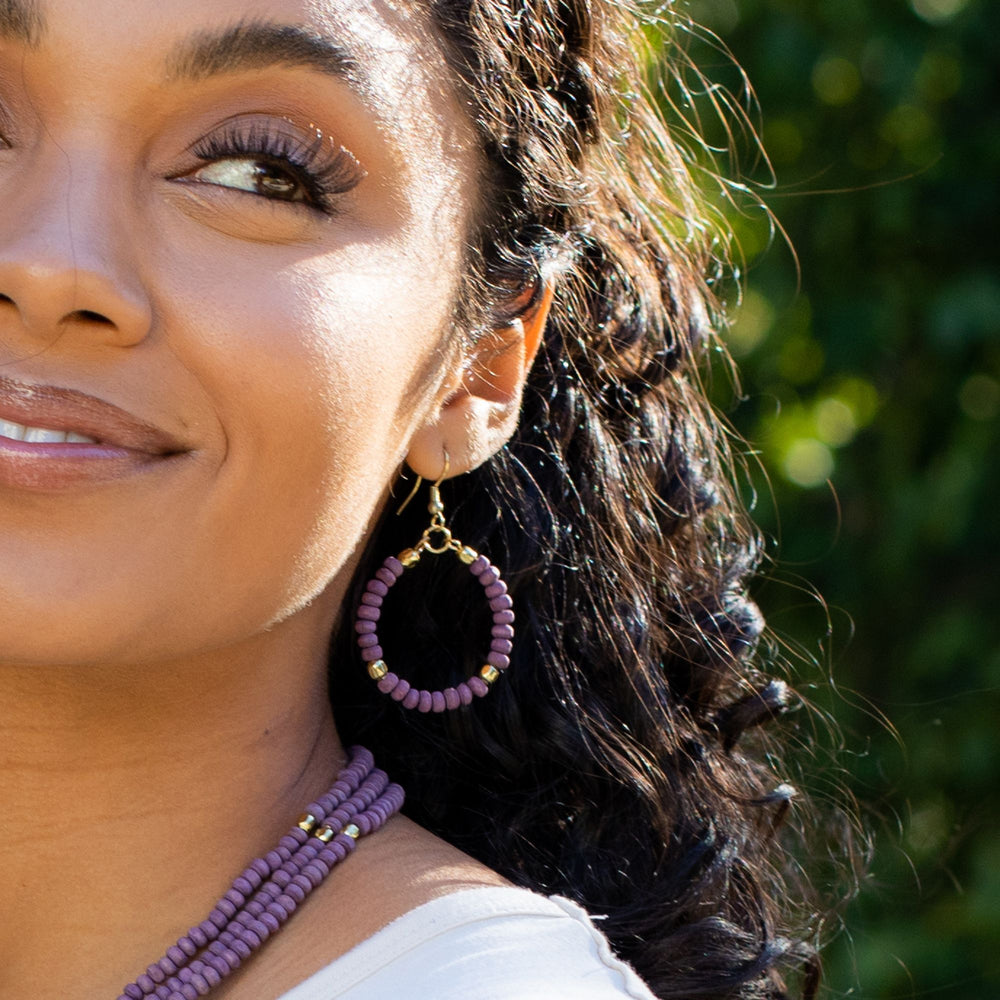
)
(88, 316)
(6, 298)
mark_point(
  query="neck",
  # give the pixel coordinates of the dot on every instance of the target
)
(131, 795)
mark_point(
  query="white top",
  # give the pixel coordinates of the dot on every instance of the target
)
(480, 944)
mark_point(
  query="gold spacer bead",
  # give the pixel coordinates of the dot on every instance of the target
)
(409, 558)
(489, 673)
(377, 670)
(467, 555)
(352, 831)
(325, 833)
(307, 822)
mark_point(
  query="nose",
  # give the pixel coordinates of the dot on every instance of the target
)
(65, 266)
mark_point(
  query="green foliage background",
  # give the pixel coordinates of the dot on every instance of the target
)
(872, 390)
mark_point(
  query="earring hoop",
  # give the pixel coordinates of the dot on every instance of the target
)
(437, 539)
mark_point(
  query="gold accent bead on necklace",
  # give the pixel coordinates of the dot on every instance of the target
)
(489, 673)
(307, 822)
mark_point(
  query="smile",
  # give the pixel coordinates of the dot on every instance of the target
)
(54, 439)
(41, 435)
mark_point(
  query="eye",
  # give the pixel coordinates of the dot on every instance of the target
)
(269, 180)
(274, 159)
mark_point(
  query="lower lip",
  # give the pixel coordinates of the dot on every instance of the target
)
(47, 467)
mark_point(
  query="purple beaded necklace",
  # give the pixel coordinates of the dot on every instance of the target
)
(271, 888)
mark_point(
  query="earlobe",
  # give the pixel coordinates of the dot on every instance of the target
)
(480, 415)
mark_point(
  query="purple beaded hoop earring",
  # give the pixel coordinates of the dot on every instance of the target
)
(437, 539)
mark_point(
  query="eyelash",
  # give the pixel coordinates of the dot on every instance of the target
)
(322, 173)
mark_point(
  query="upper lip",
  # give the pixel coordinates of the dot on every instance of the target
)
(60, 409)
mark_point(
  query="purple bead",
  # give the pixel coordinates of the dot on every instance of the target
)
(218, 918)
(496, 589)
(365, 641)
(145, 983)
(242, 949)
(505, 617)
(361, 627)
(281, 879)
(377, 587)
(243, 886)
(388, 683)
(156, 973)
(271, 922)
(222, 963)
(371, 654)
(400, 691)
(438, 703)
(479, 566)
(200, 983)
(339, 817)
(348, 843)
(387, 577)
(394, 566)
(277, 912)
(451, 699)
(178, 957)
(211, 975)
(498, 660)
(478, 686)
(296, 891)
(501, 603)
(372, 600)
(502, 631)
(502, 646)
(334, 853)
(425, 702)
(314, 873)
(249, 938)
(364, 824)
(489, 576)
(366, 613)
(464, 693)
(133, 991)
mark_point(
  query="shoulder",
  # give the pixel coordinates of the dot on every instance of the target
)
(480, 944)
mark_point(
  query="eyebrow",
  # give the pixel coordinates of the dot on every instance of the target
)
(22, 21)
(252, 45)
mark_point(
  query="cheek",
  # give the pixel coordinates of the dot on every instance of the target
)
(317, 379)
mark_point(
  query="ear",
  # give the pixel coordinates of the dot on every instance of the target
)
(477, 418)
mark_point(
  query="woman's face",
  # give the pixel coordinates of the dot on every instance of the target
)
(230, 245)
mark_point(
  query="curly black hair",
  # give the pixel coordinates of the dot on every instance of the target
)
(612, 763)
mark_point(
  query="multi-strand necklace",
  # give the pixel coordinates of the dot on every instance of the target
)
(272, 887)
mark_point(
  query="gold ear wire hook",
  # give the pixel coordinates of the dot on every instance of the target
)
(435, 505)
(435, 508)
(412, 494)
